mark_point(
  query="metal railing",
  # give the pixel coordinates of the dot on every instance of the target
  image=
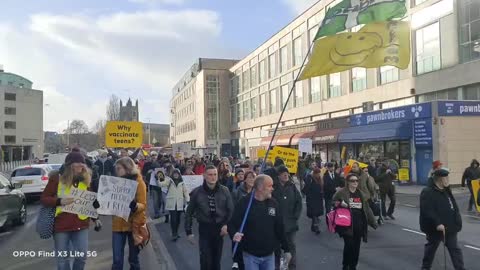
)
(8, 167)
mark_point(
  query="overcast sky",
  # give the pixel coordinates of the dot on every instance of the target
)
(81, 52)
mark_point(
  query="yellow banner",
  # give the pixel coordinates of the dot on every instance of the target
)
(404, 174)
(261, 153)
(362, 165)
(123, 134)
(289, 156)
(476, 187)
(375, 45)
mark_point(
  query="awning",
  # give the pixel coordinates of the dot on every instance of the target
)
(278, 140)
(326, 136)
(266, 141)
(401, 130)
(299, 136)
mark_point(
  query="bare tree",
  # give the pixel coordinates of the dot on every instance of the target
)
(113, 108)
(99, 130)
(77, 127)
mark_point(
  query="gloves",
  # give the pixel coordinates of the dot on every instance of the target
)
(96, 205)
(133, 206)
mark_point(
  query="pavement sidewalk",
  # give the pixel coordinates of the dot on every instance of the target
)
(417, 189)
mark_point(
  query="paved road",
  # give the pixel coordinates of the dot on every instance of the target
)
(396, 245)
(24, 238)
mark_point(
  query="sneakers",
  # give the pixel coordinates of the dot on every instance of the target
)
(391, 217)
(235, 266)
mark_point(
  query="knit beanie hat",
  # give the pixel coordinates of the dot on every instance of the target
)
(237, 171)
(74, 157)
(282, 169)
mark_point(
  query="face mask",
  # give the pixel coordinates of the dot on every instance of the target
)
(78, 178)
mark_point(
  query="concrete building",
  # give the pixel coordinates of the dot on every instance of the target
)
(129, 112)
(156, 134)
(445, 48)
(21, 118)
(199, 107)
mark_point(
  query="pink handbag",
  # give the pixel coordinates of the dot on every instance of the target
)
(339, 217)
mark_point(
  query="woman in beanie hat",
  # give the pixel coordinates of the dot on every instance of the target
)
(70, 230)
(238, 179)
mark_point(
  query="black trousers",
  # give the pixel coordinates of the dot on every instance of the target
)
(351, 251)
(211, 245)
(328, 205)
(175, 221)
(390, 192)
(471, 202)
(433, 241)
(315, 224)
(293, 250)
(238, 256)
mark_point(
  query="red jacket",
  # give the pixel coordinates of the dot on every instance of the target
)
(64, 222)
(199, 169)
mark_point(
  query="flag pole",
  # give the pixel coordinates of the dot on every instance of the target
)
(244, 220)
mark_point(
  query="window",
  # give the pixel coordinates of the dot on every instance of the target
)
(253, 75)
(469, 20)
(10, 125)
(261, 67)
(271, 66)
(246, 80)
(283, 59)
(10, 139)
(235, 86)
(428, 48)
(273, 101)
(10, 83)
(471, 92)
(253, 106)
(212, 107)
(315, 94)
(359, 79)
(388, 74)
(334, 86)
(418, 2)
(238, 113)
(263, 105)
(312, 33)
(10, 111)
(297, 52)
(233, 115)
(299, 94)
(285, 89)
(246, 110)
(10, 96)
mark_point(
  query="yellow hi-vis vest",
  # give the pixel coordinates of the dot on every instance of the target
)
(64, 190)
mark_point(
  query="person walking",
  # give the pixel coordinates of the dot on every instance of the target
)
(440, 220)
(212, 206)
(332, 182)
(352, 198)
(471, 173)
(238, 178)
(157, 193)
(387, 188)
(105, 166)
(225, 175)
(124, 230)
(264, 229)
(314, 191)
(199, 168)
(176, 200)
(70, 230)
(290, 204)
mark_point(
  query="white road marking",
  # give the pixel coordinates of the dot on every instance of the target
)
(410, 205)
(412, 231)
(472, 247)
(5, 233)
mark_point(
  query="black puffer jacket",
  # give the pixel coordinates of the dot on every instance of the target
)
(439, 207)
(290, 202)
(471, 173)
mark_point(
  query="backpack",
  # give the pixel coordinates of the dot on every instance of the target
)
(340, 217)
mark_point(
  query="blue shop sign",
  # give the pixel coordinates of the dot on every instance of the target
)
(459, 108)
(422, 132)
(411, 112)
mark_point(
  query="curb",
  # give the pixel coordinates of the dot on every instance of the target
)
(163, 257)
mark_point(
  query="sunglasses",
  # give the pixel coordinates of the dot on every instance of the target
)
(353, 181)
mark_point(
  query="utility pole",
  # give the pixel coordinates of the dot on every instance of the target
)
(68, 134)
(149, 131)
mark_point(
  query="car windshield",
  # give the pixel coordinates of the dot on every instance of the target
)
(27, 172)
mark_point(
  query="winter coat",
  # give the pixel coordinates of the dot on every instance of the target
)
(290, 202)
(365, 185)
(227, 181)
(385, 180)
(434, 210)
(139, 217)
(105, 168)
(330, 184)
(177, 194)
(199, 169)
(239, 193)
(471, 173)
(314, 193)
(344, 195)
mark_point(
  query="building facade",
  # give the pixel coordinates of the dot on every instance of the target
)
(129, 112)
(200, 109)
(156, 134)
(445, 48)
(21, 118)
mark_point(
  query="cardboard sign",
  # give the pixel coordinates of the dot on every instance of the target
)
(289, 156)
(181, 150)
(82, 204)
(192, 181)
(305, 145)
(115, 195)
(261, 153)
(123, 134)
(404, 174)
(476, 188)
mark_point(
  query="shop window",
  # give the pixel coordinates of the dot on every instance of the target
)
(405, 153)
(392, 150)
(373, 149)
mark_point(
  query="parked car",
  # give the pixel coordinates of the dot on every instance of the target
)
(55, 167)
(13, 204)
(34, 178)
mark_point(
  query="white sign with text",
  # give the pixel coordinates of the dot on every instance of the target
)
(82, 204)
(192, 181)
(115, 195)
(305, 145)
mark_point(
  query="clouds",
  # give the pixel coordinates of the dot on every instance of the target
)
(79, 60)
(153, 2)
(299, 6)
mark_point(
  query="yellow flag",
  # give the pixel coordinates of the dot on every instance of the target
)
(360, 164)
(376, 44)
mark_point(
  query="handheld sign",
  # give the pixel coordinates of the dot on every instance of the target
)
(82, 204)
(192, 181)
(115, 195)
(289, 156)
(476, 189)
(123, 134)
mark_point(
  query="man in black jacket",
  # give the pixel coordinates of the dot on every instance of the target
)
(440, 220)
(211, 204)
(264, 229)
(385, 182)
(332, 183)
(290, 204)
(471, 173)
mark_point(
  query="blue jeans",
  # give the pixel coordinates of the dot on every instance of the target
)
(258, 263)
(158, 200)
(67, 242)
(118, 246)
